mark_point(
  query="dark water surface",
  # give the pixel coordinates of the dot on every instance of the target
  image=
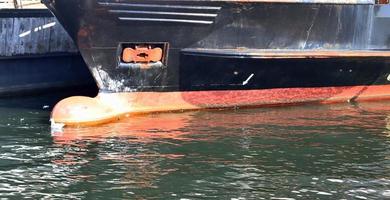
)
(339, 151)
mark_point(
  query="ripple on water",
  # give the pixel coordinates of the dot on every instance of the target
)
(304, 152)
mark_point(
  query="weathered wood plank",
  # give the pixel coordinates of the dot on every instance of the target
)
(5, 27)
(46, 34)
(39, 44)
(9, 39)
(34, 35)
(21, 35)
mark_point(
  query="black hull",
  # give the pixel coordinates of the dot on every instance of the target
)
(165, 55)
(100, 27)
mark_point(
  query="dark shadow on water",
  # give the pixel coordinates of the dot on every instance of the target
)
(40, 103)
(35, 100)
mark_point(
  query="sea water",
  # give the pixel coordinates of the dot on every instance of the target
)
(337, 151)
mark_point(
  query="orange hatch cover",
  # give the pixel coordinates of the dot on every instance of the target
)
(142, 54)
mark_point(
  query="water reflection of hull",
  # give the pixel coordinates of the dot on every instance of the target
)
(249, 146)
(217, 54)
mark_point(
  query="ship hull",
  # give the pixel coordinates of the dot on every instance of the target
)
(222, 54)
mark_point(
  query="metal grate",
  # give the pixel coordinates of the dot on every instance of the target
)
(21, 4)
